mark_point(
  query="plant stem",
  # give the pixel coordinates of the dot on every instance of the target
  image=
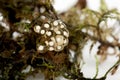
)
(117, 63)
(96, 67)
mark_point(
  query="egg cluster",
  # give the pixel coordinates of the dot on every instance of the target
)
(54, 36)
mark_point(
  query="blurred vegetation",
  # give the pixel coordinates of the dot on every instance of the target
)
(16, 54)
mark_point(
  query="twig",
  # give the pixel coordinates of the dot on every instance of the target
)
(117, 63)
(96, 67)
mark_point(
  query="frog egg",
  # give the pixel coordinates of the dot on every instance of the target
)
(46, 25)
(55, 23)
(59, 48)
(51, 48)
(55, 36)
(42, 31)
(59, 39)
(66, 34)
(37, 28)
(55, 29)
(48, 33)
(51, 43)
(42, 9)
(58, 32)
(62, 26)
(65, 42)
(41, 48)
(42, 17)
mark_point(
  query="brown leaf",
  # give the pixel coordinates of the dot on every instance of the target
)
(59, 58)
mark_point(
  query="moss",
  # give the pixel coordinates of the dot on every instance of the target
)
(17, 54)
